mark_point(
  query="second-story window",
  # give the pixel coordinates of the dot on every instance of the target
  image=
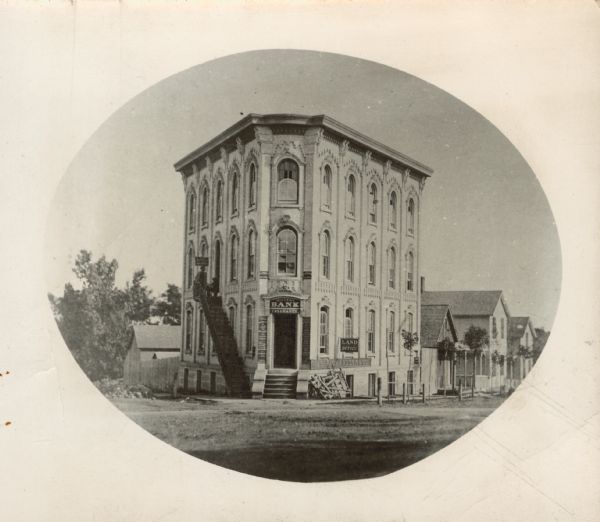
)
(349, 323)
(392, 267)
(286, 252)
(410, 272)
(234, 258)
(287, 182)
(190, 266)
(251, 254)
(350, 259)
(372, 255)
(371, 331)
(391, 326)
(325, 254)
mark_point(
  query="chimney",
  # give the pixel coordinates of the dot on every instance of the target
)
(422, 284)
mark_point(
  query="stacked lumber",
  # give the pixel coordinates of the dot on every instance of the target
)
(330, 386)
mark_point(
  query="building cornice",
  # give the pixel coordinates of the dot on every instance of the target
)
(360, 140)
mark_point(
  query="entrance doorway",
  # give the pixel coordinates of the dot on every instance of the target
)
(284, 341)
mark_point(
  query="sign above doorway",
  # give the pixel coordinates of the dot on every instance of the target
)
(285, 305)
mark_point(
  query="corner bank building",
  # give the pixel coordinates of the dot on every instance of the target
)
(301, 251)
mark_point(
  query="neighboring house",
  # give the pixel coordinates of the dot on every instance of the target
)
(309, 232)
(488, 310)
(521, 337)
(438, 369)
(149, 344)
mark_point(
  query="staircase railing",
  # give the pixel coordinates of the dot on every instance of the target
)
(224, 341)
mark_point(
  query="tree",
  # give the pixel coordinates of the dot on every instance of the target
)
(95, 321)
(168, 305)
(476, 338)
(409, 341)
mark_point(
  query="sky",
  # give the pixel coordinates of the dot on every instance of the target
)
(485, 221)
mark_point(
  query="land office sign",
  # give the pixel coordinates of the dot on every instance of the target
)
(285, 305)
(349, 344)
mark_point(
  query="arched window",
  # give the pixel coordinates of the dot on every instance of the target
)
(410, 271)
(371, 331)
(251, 254)
(249, 328)
(411, 216)
(287, 182)
(286, 251)
(233, 258)
(325, 254)
(252, 186)
(219, 202)
(391, 326)
(188, 329)
(349, 323)
(205, 207)
(190, 267)
(351, 195)
(373, 203)
(324, 330)
(192, 211)
(393, 209)
(204, 249)
(350, 259)
(372, 256)
(235, 192)
(326, 188)
(392, 267)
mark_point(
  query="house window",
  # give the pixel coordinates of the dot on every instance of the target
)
(373, 203)
(286, 251)
(350, 259)
(201, 330)
(287, 182)
(205, 197)
(190, 266)
(371, 256)
(252, 186)
(349, 323)
(393, 209)
(324, 330)
(351, 195)
(251, 254)
(235, 191)
(192, 211)
(188, 330)
(526, 339)
(410, 272)
(325, 254)
(502, 328)
(392, 267)
(391, 325)
(249, 325)
(233, 258)
(371, 331)
(326, 188)
(411, 216)
(219, 215)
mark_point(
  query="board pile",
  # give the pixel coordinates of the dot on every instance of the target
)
(330, 386)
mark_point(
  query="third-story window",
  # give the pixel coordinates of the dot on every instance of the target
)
(351, 195)
(326, 188)
(349, 323)
(287, 182)
(371, 258)
(393, 209)
(235, 191)
(391, 326)
(371, 331)
(324, 330)
(286, 252)
(411, 216)
(219, 202)
(205, 195)
(234, 257)
(392, 267)
(251, 254)
(325, 254)
(252, 186)
(350, 259)
(410, 272)
(249, 326)
(373, 203)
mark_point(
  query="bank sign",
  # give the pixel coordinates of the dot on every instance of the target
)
(285, 305)
(349, 344)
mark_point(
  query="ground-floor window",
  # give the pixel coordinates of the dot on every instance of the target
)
(324, 330)
(392, 384)
(410, 382)
(350, 382)
(372, 385)
(249, 324)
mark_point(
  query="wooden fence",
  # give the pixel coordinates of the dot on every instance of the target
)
(157, 374)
